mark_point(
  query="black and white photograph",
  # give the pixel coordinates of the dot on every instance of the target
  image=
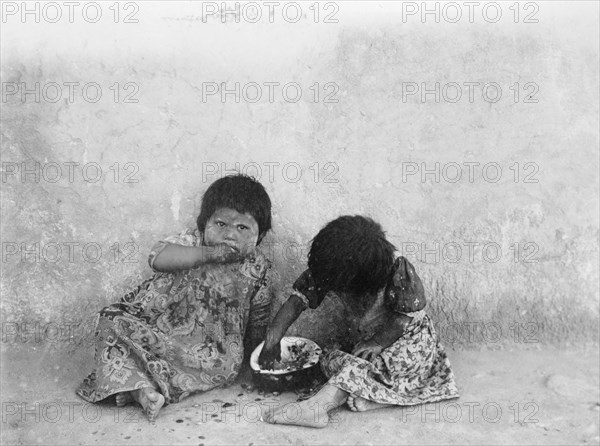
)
(300, 222)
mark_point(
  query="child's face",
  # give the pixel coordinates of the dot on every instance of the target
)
(228, 226)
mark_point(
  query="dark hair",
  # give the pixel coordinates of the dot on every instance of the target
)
(352, 254)
(239, 192)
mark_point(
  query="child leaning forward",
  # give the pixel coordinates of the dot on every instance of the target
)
(399, 359)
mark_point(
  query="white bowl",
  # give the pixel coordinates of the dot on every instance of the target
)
(287, 356)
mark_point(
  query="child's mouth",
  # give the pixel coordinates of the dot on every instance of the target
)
(234, 247)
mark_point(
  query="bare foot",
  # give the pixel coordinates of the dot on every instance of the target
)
(150, 400)
(312, 412)
(298, 414)
(123, 398)
(358, 404)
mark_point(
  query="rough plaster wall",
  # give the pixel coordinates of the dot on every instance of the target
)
(171, 132)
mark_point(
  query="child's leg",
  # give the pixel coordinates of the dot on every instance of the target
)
(358, 404)
(312, 412)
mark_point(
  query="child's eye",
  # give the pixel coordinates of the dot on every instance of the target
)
(242, 227)
(220, 224)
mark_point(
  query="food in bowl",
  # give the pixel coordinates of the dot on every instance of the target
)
(299, 356)
(296, 354)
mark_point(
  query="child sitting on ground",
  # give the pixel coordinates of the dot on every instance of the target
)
(399, 359)
(184, 329)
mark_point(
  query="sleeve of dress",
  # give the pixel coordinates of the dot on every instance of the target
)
(304, 287)
(404, 292)
(189, 237)
(260, 312)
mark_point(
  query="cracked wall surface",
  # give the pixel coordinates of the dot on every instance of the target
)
(130, 173)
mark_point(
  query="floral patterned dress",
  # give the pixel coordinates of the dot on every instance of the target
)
(413, 370)
(181, 332)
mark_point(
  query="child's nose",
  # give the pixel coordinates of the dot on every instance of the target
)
(229, 234)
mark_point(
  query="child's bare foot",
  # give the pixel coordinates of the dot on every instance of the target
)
(298, 414)
(312, 412)
(150, 400)
(123, 398)
(358, 404)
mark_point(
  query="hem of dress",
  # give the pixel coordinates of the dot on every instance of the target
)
(431, 400)
(89, 400)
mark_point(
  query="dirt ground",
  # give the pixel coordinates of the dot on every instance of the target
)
(545, 396)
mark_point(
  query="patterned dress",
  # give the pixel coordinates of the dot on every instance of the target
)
(413, 370)
(181, 332)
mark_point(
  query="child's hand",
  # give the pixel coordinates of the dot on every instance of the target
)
(222, 253)
(268, 355)
(367, 350)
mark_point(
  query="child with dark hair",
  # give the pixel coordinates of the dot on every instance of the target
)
(399, 359)
(187, 328)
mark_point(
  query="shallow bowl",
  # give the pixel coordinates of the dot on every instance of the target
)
(296, 375)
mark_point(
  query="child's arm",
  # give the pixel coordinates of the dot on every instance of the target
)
(177, 257)
(393, 329)
(407, 295)
(286, 315)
